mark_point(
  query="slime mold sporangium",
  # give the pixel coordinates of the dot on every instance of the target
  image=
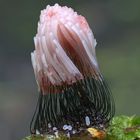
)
(73, 94)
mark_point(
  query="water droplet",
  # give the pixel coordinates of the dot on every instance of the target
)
(73, 132)
(87, 120)
(65, 127)
(69, 127)
(49, 125)
(54, 128)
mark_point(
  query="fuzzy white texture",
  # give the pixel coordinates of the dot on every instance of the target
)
(50, 60)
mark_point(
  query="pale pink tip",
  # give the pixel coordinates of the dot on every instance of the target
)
(64, 48)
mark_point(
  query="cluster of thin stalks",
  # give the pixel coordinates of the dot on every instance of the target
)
(86, 98)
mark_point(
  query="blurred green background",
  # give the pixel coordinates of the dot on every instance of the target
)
(116, 26)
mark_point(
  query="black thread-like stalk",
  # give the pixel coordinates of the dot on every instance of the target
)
(88, 97)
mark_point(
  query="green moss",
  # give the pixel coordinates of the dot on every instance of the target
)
(124, 128)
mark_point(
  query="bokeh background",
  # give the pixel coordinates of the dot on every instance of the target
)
(116, 26)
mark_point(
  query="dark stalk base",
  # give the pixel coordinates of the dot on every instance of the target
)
(87, 98)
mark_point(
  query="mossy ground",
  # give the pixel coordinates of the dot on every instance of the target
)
(121, 128)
